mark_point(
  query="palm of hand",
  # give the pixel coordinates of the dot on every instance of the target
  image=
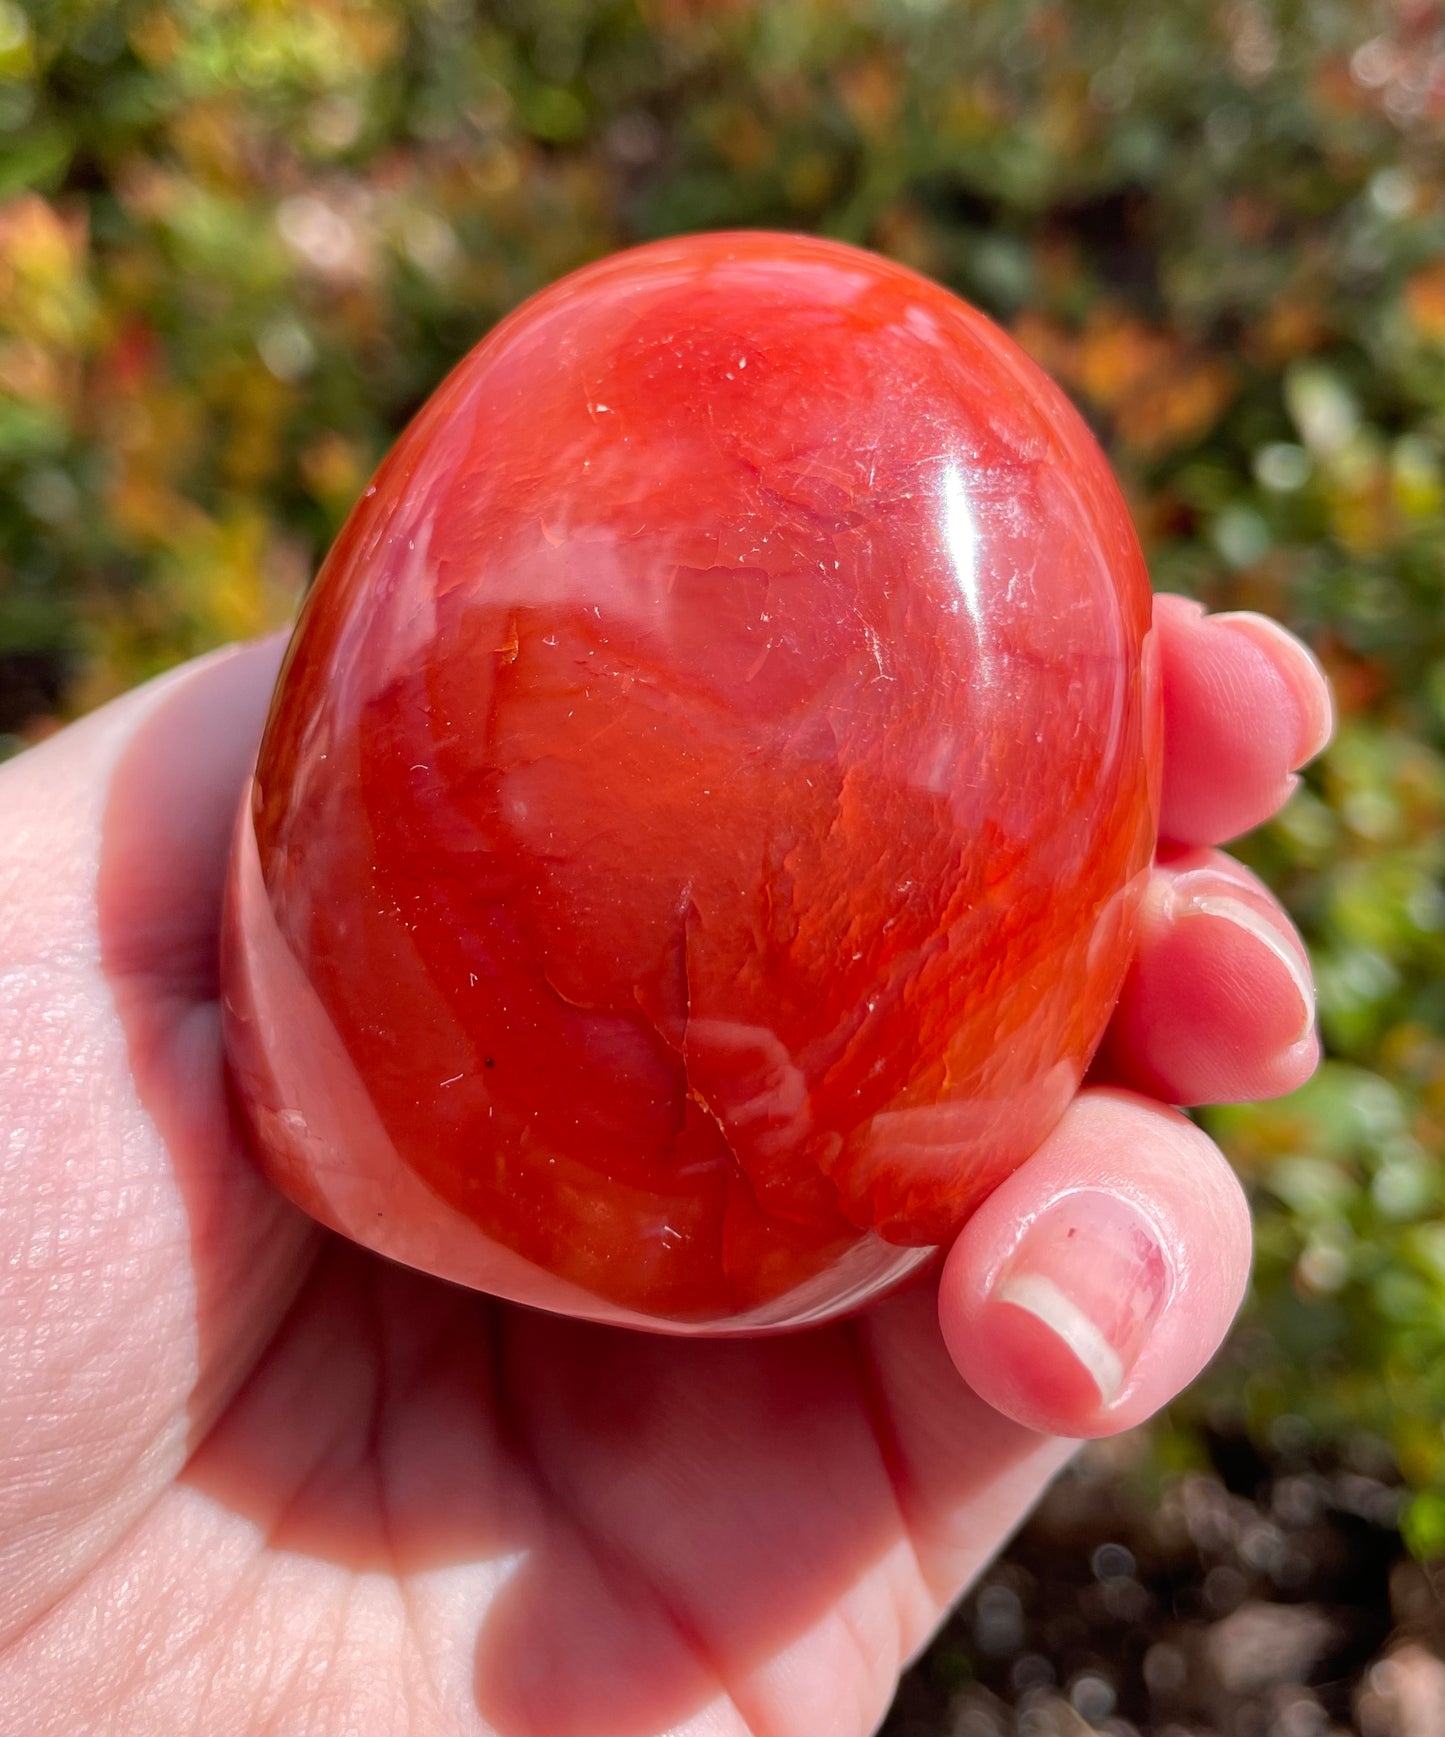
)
(255, 1479)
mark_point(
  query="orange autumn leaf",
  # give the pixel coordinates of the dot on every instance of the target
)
(871, 91)
(1178, 407)
(1425, 301)
(1292, 326)
(1160, 392)
(1117, 354)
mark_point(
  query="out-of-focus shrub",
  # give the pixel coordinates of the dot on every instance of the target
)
(240, 240)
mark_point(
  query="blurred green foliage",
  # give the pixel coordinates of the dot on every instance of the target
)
(240, 240)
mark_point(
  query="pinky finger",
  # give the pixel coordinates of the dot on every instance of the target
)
(1096, 1282)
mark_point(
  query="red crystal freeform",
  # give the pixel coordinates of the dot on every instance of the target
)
(695, 844)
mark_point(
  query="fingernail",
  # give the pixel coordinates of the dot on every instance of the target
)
(1300, 670)
(1092, 1272)
(1210, 895)
(1232, 910)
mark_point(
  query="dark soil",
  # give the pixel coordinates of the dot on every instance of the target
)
(1247, 1600)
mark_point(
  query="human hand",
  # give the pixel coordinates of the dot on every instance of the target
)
(255, 1479)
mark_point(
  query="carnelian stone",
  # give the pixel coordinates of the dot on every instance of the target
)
(694, 848)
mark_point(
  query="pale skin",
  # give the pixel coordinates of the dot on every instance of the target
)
(255, 1480)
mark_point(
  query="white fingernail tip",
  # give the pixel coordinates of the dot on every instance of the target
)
(1245, 917)
(1042, 1298)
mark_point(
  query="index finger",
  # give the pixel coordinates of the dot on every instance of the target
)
(1245, 706)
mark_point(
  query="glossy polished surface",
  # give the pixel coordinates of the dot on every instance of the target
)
(695, 844)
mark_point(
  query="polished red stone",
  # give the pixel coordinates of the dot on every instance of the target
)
(695, 843)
